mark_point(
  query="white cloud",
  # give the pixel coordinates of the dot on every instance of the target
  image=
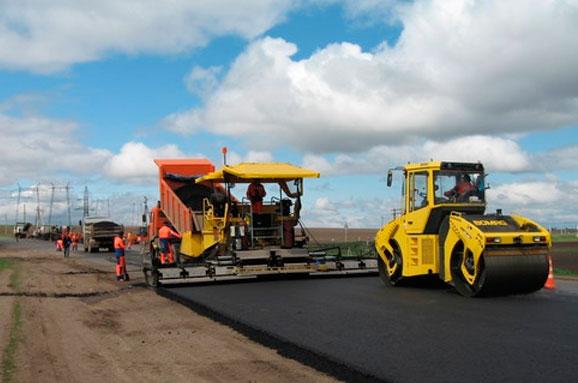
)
(47, 36)
(497, 154)
(36, 146)
(134, 163)
(460, 68)
(251, 156)
(202, 81)
(551, 202)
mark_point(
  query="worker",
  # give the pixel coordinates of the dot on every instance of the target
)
(119, 248)
(256, 193)
(218, 199)
(462, 189)
(167, 252)
(66, 241)
(75, 237)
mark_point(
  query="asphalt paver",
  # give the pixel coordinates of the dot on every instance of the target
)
(404, 334)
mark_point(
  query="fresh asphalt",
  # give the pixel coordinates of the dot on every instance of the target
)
(403, 334)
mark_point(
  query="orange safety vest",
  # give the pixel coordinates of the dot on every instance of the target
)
(118, 243)
(166, 232)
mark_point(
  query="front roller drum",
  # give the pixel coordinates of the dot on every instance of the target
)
(499, 274)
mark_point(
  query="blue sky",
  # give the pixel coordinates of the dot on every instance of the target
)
(347, 87)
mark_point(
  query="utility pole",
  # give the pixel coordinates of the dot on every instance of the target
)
(108, 207)
(51, 204)
(68, 204)
(24, 214)
(133, 213)
(18, 204)
(38, 223)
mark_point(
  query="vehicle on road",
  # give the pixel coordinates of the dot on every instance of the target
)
(99, 232)
(223, 236)
(22, 230)
(443, 230)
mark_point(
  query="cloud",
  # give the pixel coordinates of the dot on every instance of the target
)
(356, 212)
(47, 36)
(550, 202)
(251, 156)
(202, 81)
(41, 148)
(36, 146)
(134, 163)
(460, 68)
(497, 154)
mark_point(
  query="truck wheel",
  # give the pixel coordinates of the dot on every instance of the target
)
(466, 277)
(391, 273)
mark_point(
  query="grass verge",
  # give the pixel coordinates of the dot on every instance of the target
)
(9, 355)
(5, 264)
(8, 366)
(564, 273)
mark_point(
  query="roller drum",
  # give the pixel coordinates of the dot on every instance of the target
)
(505, 275)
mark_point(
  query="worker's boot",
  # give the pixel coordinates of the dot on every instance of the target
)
(126, 277)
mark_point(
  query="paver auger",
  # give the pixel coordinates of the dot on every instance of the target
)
(223, 238)
(442, 230)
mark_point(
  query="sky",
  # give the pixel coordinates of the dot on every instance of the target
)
(92, 91)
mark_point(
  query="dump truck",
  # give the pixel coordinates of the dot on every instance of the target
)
(99, 232)
(222, 238)
(443, 230)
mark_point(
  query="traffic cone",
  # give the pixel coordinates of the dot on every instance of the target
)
(550, 283)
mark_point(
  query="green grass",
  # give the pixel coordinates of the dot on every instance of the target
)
(564, 238)
(5, 264)
(9, 353)
(15, 277)
(9, 356)
(349, 249)
(564, 272)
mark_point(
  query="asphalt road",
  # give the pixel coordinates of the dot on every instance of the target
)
(405, 334)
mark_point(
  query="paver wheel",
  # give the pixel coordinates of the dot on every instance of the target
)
(151, 278)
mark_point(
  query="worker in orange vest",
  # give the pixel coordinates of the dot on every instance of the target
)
(167, 252)
(256, 192)
(119, 248)
(75, 238)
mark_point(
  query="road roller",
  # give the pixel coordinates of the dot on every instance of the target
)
(442, 230)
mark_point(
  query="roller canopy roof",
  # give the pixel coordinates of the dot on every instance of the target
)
(266, 172)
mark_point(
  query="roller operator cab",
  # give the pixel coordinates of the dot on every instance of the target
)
(442, 230)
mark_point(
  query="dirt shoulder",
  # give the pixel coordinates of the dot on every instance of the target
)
(79, 324)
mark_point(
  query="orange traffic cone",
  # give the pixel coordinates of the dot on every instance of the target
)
(550, 283)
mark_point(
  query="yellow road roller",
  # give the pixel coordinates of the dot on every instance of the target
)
(442, 230)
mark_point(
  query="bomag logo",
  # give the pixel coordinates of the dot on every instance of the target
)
(490, 222)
